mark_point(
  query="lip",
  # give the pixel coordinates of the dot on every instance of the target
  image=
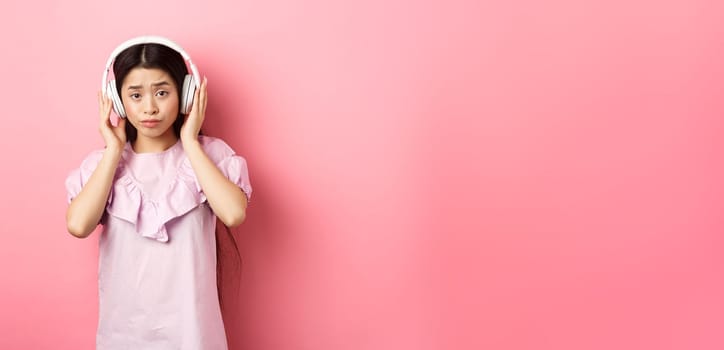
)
(150, 123)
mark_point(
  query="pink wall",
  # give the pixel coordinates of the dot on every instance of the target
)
(449, 175)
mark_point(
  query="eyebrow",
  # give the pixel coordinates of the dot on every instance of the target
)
(161, 83)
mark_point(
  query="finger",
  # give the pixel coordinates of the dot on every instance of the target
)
(204, 93)
(101, 109)
(121, 124)
(104, 106)
(195, 105)
(100, 103)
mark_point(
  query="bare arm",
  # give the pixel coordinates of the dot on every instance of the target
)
(226, 199)
(86, 209)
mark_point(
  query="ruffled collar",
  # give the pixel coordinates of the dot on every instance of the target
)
(149, 216)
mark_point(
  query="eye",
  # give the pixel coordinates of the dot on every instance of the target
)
(135, 96)
(162, 93)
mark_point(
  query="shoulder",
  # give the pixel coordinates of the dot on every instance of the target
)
(213, 142)
(79, 176)
(92, 159)
(215, 147)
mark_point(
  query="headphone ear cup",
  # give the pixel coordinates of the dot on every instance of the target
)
(115, 98)
(187, 94)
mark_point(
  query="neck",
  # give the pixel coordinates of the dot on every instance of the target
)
(154, 144)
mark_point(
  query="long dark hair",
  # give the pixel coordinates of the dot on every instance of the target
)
(169, 60)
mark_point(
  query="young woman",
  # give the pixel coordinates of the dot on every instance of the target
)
(157, 188)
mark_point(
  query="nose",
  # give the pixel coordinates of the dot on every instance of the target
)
(149, 106)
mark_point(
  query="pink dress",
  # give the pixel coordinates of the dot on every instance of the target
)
(157, 251)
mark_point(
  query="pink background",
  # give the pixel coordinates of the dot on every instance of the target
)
(428, 174)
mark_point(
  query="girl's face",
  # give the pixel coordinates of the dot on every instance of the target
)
(151, 101)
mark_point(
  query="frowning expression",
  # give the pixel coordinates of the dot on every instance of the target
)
(150, 98)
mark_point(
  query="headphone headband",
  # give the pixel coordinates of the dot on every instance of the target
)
(150, 39)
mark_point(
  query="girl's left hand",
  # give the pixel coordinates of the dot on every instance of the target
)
(192, 125)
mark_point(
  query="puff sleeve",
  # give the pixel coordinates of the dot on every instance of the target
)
(232, 165)
(79, 177)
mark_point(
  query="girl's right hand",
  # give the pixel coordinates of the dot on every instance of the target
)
(114, 136)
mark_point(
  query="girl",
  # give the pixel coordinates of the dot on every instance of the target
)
(157, 188)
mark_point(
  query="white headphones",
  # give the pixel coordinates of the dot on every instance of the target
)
(191, 83)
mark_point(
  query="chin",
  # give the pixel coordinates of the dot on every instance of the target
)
(154, 135)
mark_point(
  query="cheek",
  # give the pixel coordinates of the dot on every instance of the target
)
(134, 112)
(171, 103)
(130, 111)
